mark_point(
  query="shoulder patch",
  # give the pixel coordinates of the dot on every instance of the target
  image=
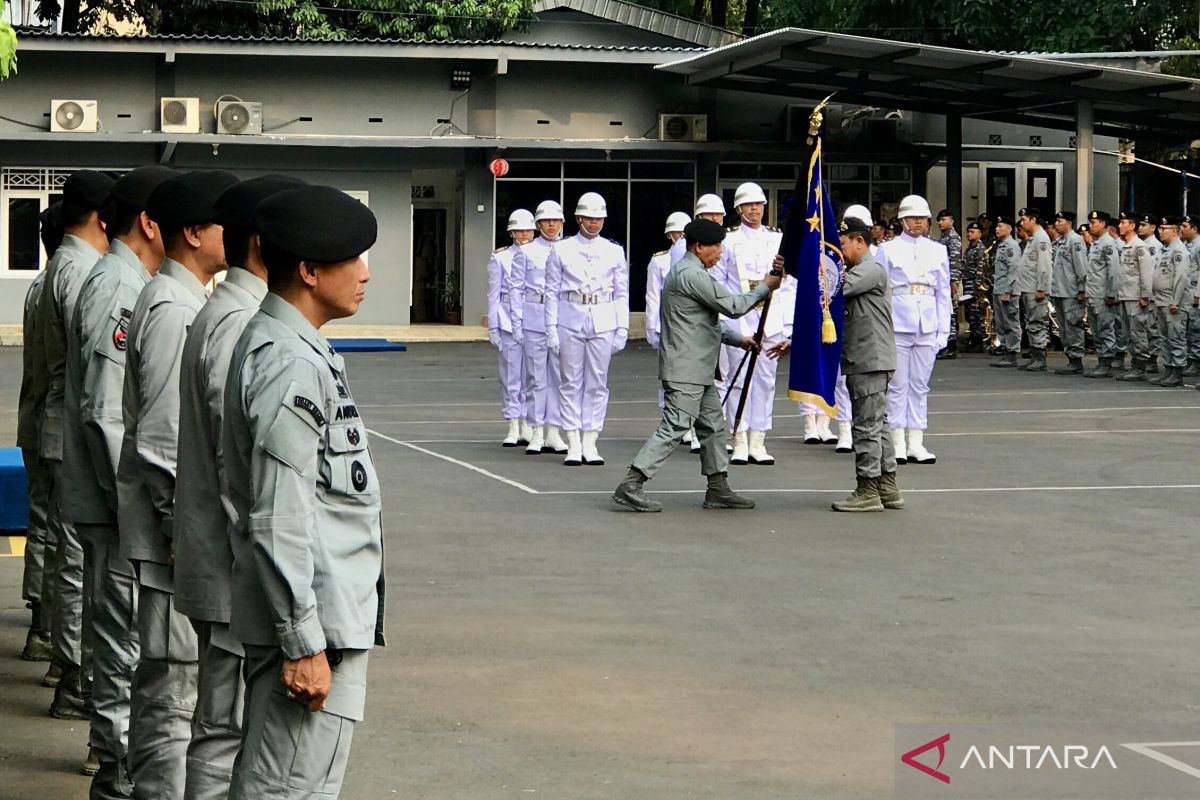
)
(302, 402)
(1042, 247)
(120, 335)
(1177, 258)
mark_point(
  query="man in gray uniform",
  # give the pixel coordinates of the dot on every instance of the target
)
(1104, 272)
(1189, 232)
(1172, 302)
(307, 539)
(689, 347)
(1134, 291)
(1005, 296)
(100, 328)
(163, 694)
(868, 361)
(84, 194)
(1147, 230)
(1068, 288)
(203, 558)
(1033, 283)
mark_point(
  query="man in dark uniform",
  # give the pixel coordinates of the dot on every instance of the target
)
(953, 243)
(973, 266)
(689, 347)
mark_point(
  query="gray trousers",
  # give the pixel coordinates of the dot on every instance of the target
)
(1137, 321)
(687, 406)
(1172, 329)
(1069, 312)
(874, 452)
(39, 541)
(1193, 336)
(217, 723)
(162, 698)
(289, 752)
(1105, 322)
(1037, 320)
(112, 625)
(66, 630)
(1007, 323)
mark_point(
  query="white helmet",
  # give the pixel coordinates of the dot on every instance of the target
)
(913, 206)
(676, 222)
(748, 193)
(548, 209)
(710, 204)
(591, 205)
(858, 212)
(520, 220)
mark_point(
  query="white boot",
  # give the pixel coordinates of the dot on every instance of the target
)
(916, 448)
(758, 450)
(845, 441)
(811, 435)
(898, 445)
(591, 456)
(694, 441)
(514, 433)
(741, 453)
(574, 450)
(526, 433)
(554, 440)
(536, 441)
(823, 431)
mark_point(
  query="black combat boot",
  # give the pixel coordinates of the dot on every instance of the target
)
(1074, 367)
(1103, 369)
(37, 640)
(1173, 378)
(1152, 366)
(864, 498)
(1036, 362)
(1005, 360)
(1193, 369)
(69, 702)
(719, 495)
(1137, 372)
(889, 491)
(629, 493)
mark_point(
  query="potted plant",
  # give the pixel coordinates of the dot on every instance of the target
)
(452, 299)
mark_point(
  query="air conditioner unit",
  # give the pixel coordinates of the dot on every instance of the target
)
(179, 114)
(74, 116)
(683, 127)
(239, 117)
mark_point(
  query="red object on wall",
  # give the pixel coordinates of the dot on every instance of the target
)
(498, 167)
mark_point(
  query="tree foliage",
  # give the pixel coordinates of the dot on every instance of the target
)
(309, 19)
(8, 46)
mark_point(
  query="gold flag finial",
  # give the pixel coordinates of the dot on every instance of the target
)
(816, 117)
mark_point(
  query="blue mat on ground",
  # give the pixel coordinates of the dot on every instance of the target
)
(367, 346)
(14, 496)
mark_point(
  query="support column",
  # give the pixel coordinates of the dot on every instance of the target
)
(954, 169)
(1084, 124)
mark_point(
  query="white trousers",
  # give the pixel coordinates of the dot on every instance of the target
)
(908, 392)
(512, 376)
(759, 414)
(841, 396)
(541, 382)
(583, 359)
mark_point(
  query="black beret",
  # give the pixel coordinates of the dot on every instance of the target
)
(1171, 220)
(1129, 215)
(854, 225)
(1022, 212)
(134, 187)
(945, 212)
(188, 199)
(1032, 213)
(703, 231)
(1082, 229)
(1069, 216)
(1002, 219)
(1193, 220)
(235, 208)
(1148, 219)
(51, 215)
(974, 226)
(87, 189)
(1100, 215)
(317, 223)
(986, 215)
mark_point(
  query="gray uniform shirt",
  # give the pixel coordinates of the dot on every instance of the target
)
(150, 408)
(306, 534)
(203, 509)
(1070, 267)
(1104, 268)
(1171, 283)
(64, 276)
(691, 339)
(1137, 271)
(1033, 270)
(32, 400)
(1004, 271)
(868, 339)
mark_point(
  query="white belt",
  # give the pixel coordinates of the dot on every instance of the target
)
(913, 288)
(586, 299)
(535, 297)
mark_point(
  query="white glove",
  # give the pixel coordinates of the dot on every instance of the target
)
(494, 337)
(552, 339)
(652, 339)
(518, 334)
(620, 340)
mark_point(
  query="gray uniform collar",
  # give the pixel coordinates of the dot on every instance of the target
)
(176, 271)
(275, 306)
(247, 281)
(124, 253)
(73, 242)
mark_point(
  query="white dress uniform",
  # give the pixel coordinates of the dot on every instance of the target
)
(587, 320)
(919, 274)
(527, 310)
(656, 273)
(500, 322)
(746, 259)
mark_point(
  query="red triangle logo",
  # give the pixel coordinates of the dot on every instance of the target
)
(910, 758)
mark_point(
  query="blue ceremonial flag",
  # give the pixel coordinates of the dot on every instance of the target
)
(812, 252)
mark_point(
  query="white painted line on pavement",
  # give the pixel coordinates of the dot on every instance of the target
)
(817, 448)
(1146, 749)
(457, 462)
(747, 490)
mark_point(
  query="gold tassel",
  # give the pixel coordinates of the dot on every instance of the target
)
(828, 331)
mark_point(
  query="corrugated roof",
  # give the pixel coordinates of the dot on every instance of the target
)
(650, 19)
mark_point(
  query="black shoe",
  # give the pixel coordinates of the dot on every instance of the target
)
(1173, 378)
(1103, 369)
(719, 495)
(1074, 367)
(1006, 360)
(630, 494)
(68, 695)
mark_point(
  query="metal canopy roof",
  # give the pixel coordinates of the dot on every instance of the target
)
(942, 80)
